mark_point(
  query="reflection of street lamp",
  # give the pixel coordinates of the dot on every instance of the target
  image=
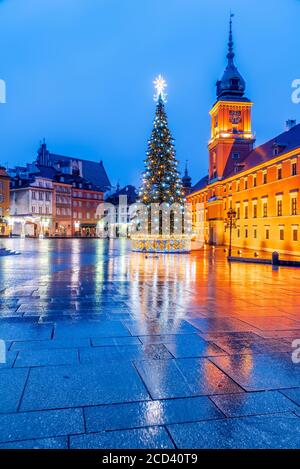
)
(230, 223)
(76, 225)
(44, 225)
(10, 225)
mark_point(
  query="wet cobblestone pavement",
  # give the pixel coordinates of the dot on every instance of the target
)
(108, 349)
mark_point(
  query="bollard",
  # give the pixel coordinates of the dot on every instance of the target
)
(275, 258)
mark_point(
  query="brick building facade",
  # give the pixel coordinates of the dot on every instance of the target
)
(261, 185)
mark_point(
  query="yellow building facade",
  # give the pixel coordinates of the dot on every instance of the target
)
(261, 185)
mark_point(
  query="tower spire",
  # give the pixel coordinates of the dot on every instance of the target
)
(186, 168)
(186, 180)
(232, 85)
(230, 54)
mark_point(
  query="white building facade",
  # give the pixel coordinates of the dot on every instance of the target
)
(31, 205)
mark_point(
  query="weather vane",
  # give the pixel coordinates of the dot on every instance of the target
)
(160, 84)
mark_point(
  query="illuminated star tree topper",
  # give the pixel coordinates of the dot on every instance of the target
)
(160, 85)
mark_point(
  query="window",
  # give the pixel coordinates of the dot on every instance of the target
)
(47, 210)
(238, 233)
(279, 207)
(88, 215)
(40, 209)
(57, 211)
(281, 233)
(33, 209)
(234, 82)
(267, 233)
(255, 233)
(246, 232)
(246, 211)
(255, 211)
(41, 195)
(279, 172)
(265, 178)
(294, 169)
(254, 181)
(33, 195)
(295, 233)
(265, 209)
(74, 214)
(245, 184)
(238, 212)
(294, 206)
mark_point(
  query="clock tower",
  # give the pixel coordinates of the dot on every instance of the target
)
(231, 135)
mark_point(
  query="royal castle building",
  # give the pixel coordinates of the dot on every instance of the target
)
(260, 184)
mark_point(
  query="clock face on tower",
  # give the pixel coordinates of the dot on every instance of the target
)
(235, 117)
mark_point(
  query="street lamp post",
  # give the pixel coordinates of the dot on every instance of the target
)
(230, 223)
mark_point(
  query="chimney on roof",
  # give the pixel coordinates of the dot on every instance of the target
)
(289, 124)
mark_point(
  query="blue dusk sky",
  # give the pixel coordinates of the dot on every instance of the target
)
(80, 73)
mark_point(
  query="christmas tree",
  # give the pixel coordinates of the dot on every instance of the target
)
(161, 179)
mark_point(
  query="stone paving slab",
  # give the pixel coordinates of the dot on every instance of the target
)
(293, 394)
(254, 403)
(260, 372)
(193, 346)
(44, 443)
(221, 325)
(233, 346)
(185, 377)
(125, 352)
(51, 344)
(140, 438)
(85, 329)
(29, 358)
(149, 413)
(276, 323)
(259, 432)
(163, 339)
(35, 425)
(12, 383)
(109, 341)
(56, 387)
(25, 331)
(137, 328)
(10, 358)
